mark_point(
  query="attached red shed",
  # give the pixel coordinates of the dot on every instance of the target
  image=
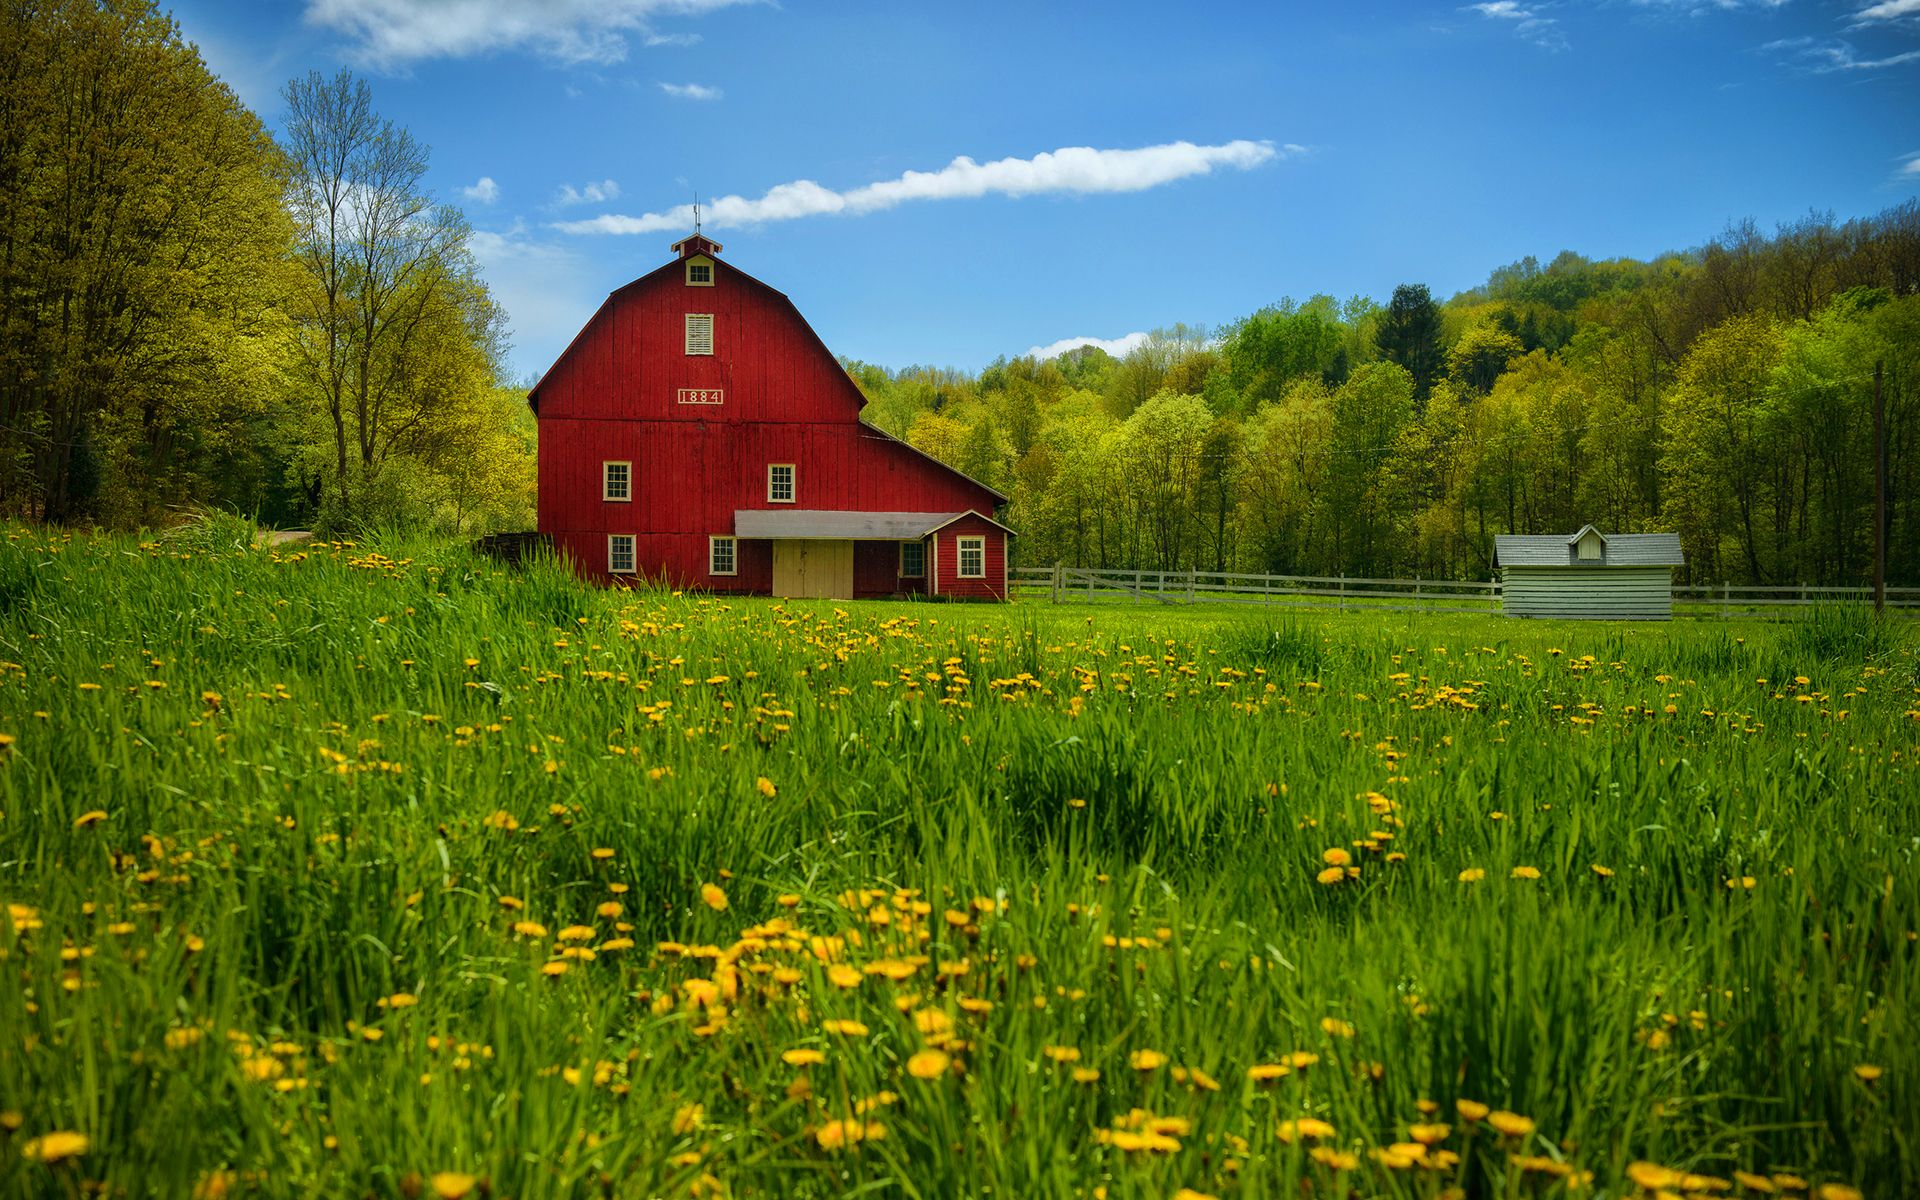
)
(697, 432)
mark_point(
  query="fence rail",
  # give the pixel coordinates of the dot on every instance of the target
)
(1059, 583)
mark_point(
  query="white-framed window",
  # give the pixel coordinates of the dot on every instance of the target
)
(780, 483)
(699, 272)
(973, 557)
(616, 481)
(699, 333)
(723, 556)
(913, 560)
(620, 553)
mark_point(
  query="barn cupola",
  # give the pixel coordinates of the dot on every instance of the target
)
(696, 255)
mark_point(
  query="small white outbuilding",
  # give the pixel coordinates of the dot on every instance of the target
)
(1588, 575)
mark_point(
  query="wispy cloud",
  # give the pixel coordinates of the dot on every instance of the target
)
(1527, 21)
(590, 193)
(691, 91)
(673, 39)
(1118, 347)
(1824, 57)
(547, 289)
(394, 33)
(1700, 7)
(1886, 10)
(1073, 170)
(1909, 167)
(486, 191)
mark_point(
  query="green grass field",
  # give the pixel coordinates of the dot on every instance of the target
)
(355, 871)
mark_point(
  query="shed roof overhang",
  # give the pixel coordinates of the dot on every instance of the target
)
(837, 524)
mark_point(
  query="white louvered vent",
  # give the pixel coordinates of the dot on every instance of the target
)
(699, 333)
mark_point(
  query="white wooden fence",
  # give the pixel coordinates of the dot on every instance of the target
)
(1060, 583)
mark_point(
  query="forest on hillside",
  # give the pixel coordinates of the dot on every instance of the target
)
(1724, 392)
(195, 314)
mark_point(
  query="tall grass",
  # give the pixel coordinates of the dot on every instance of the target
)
(336, 775)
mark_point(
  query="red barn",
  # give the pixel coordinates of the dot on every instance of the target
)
(699, 433)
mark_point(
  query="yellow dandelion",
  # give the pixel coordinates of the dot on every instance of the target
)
(1335, 857)
(1526, 872)
(1061, 1054)
(688, 1118)
(928, 1064)
(1510, 1124)
(1473, 875)
(713, 897)
(452, 1185)
(55, 1147)
(844, 1028)
(1471, 1110)
(90, 818)
(1313, 1129)
(1429, 1135)
(1146, 1060)
(1086, 1074)
(1867, 1072)
(1268, 1072)
(765, 787)
(1329, 876)
(804, 1057)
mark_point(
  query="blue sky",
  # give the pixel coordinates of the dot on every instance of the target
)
(1131, 165)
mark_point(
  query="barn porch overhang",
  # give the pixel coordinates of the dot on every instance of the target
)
(838, 525)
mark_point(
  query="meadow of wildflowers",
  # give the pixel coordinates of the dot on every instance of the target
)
(382, 871)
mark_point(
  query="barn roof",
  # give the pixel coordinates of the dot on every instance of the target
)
(1556, 549)
(838, 524)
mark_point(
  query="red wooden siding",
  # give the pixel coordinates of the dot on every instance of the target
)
(613, 395)
(945, 560)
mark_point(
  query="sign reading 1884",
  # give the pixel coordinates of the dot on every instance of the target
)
(702, 396)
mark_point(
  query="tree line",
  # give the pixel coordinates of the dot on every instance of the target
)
(195, 314)
(1723, 392)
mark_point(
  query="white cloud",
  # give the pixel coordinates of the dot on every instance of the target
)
(1910, 168)
(591, 193)
(1888, 10)
(393, 33)
(691, 91)
(1826, 57)
(486, 191)
(1529, 23)
(1075, 170)
(1118, 347)
(673, 39)
(547, 290)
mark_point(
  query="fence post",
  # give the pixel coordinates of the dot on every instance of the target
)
(1726, 599)
(1343, 591)
(1416, 590)
(1057, 565)
(1190, 576)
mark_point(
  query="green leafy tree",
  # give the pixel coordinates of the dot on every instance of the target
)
(1408, 334)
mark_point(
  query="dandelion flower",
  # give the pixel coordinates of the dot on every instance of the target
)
(90, 818)
(1473, 875)
(714, 898)
(451, 1185)
(844, 1028)
(1311, 1128)
(1526, 872)
(1086, 1074)
(1268, 1072)
(1062, 1054)
(1335, 1027)
(1335, 857)
(55, 1147)
(804, 1057)
(928, 1064)
(1329, 876)
(765, 787)
(689, 1117)
(1429, 1135)
(1471, 1110)
(1511, 1124)
(1867, 1072)
(1146, 1060)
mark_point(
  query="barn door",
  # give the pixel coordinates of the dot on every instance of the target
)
(813, 569)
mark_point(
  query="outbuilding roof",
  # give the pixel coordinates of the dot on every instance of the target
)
(1557, 550)
(840, 525)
